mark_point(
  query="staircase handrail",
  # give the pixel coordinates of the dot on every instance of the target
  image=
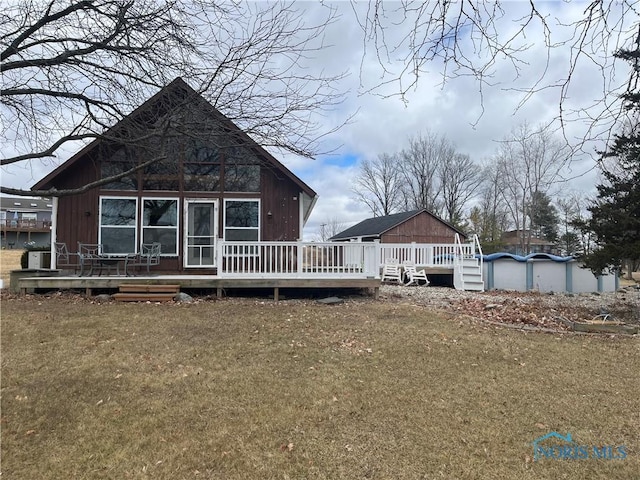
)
(458, 246)
(458, 256)
(476, 242)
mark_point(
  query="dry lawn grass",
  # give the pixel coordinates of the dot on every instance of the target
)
(9, 260)
(239, 389)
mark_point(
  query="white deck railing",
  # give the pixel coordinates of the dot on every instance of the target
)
(330, 259)
(297, 259)
(423, 254)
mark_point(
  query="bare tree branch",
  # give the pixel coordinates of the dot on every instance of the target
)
(478, 39)
(72, 71)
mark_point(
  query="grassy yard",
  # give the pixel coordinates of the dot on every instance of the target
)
(243, 389)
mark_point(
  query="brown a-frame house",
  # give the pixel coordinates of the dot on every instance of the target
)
(205, 181)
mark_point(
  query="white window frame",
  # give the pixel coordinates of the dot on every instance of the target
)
(135, 225)
(224, 219)
(176, 227)
(185, 235)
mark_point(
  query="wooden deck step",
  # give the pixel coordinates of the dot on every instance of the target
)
(146, 293)
(143, 297)
(131, 288)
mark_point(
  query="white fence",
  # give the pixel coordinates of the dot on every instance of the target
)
(330, 259)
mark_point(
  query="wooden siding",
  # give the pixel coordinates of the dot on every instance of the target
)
(423, 228)
(281, 197)
(78, 214)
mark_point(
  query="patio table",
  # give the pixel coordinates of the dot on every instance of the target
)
(108, 261)
(92, 258)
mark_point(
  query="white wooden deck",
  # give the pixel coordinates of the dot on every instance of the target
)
(286, 265)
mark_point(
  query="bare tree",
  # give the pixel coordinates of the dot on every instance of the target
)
(490, 217)
(529, 163)
(427, 174)
(460, 179)
(409, 39)
(72, 70)
(330, 227)
(421, 164)
(379, 185)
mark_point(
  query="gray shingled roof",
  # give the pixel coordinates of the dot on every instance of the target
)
(376, 226)
(25, 204)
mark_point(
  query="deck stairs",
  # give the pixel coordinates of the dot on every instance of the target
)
(467, 270)
(468, 275)
(146, 293)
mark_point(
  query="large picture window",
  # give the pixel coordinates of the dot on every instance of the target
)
(160, 223)
(162, 175)
(242, 220)
(117, 231)
(120, 161)
(204, 177)
(242, 178)
(242, 170)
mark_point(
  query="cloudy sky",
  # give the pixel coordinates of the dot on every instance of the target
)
(474, 123)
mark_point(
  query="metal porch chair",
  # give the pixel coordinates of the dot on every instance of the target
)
(66, 260)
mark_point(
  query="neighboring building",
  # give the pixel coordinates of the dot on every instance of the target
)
(419, 226)
(537, 244)
(214, 183)
(25, 220)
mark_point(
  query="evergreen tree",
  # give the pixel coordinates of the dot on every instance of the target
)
(544, 217)
(615, 214)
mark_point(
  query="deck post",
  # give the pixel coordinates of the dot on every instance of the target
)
(300, 252)
(219, 256)
(276, 294)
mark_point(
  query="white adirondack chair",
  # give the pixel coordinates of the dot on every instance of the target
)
(391, 271)
(413, 275)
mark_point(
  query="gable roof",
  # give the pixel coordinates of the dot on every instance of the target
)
(376, 226)
(177, 85)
